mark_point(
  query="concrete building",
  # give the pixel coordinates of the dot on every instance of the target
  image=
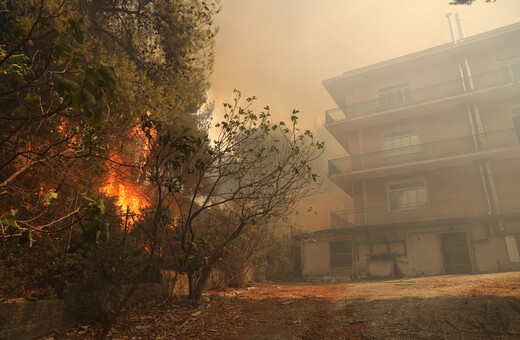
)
(433, 167)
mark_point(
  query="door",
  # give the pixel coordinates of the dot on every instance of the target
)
(455, 252)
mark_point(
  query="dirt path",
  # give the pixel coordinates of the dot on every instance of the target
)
(446, 307)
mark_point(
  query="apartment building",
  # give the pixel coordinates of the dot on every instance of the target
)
(433, 166)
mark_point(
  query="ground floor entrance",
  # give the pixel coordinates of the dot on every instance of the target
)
(456, 253)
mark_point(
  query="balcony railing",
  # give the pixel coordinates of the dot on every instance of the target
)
(414, 153)
(455, 208)
(425, 94)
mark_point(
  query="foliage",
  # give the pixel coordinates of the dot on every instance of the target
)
(254, 171)
(75, 76)
(75, 79)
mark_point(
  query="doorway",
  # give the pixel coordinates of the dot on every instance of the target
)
(455, 253)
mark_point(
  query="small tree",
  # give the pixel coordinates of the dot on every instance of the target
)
(254, 171)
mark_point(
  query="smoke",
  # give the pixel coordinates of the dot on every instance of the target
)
(281, 51)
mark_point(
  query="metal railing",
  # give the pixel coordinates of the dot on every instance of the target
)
(422, 95)
(419, 152)
(467, 207)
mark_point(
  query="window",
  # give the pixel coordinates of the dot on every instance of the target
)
(395, 95)
(401, 142)
(407, 196)
(341, 254)
(509, 69)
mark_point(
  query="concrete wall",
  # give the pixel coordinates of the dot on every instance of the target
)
(25, 320)
(430, 70)
(496, 115)
(430, 128)
(175, 283)
(485, 57)
(506, 175)
(441, 184)
(440, 68)
(316, 257)
(417, 251)
(21, 319)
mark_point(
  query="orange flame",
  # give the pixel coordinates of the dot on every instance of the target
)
(129, 195)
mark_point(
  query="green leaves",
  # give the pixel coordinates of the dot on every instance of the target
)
(78, 29)
(65, 86)
(98, 88)
(9, 220)
(99, 229)
(49, 197)
(61, 50)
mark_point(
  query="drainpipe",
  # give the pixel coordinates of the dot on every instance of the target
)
(462, 35)
(365, 208)
(476, 143)
(461, 73)
(486, 172)
(480, 167)
(463, 66)
(450, 23)
(468, 75)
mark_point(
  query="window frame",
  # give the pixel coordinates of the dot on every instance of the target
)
(386, 97)
(400, 135)
(506, 69)
(409, 206)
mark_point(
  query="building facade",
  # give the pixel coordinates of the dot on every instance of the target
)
(433, 167)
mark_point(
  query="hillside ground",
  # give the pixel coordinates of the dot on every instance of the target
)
(442, 307)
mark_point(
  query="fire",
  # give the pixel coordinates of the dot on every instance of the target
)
(124, 185)
(129, 195)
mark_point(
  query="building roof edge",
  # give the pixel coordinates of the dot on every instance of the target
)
(436, 49)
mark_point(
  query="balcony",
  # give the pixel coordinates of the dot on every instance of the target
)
(430, 93)
(430, 211)
(434, 150)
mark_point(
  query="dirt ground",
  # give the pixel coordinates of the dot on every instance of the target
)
(444, 307)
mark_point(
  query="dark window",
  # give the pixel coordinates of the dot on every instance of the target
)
(455, 251)
(341, 254)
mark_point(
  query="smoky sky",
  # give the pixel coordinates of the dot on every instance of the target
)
(281, 50)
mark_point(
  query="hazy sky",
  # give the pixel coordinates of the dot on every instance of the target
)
(281, 50)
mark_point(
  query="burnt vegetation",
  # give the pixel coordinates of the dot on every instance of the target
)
(107, 171)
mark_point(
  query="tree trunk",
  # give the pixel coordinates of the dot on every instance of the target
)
(112, 319)
(197, 286)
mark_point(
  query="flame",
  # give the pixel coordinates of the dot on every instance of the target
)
(129, 195)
